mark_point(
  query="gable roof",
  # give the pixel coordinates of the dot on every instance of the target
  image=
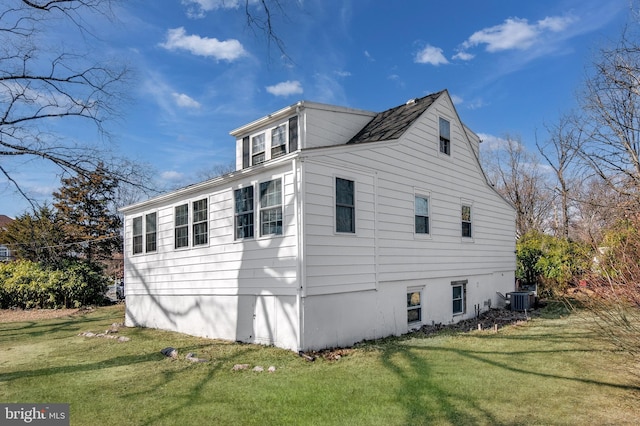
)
(392, 123)
(4, 220)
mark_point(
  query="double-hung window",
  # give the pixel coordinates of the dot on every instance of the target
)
(345, 206)
(466, 220)
(271, 207)
(445, 136)
(244, 212)
(257, 149)
(151, 235)
(181, 226)
(459, 293)
(137, 235)
(279, 141)
(421, 214)
(414, 307)
(200, 228)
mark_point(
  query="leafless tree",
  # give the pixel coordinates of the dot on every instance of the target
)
(561, 153)
(516, 173)
(40, 85)
(611, 103)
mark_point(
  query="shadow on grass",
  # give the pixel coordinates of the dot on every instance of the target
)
(427, 394)
(425, 401)
(81, 368)
(196, 392)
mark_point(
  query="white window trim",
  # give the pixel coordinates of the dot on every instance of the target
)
(206, 220)
(258, 217)
(463, 284)
(133, 235)
(145, 232)
(335, 205)
(469, 203)
(264, 148)
(416, 324)
(442, 155)
(268, 141)
(417, 192)
(188, 225)
(255, 212)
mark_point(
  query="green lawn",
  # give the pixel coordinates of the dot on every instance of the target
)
(549, 371)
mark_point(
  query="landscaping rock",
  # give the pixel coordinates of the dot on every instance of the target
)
(192, 357)
(239, 367)
(170, 352)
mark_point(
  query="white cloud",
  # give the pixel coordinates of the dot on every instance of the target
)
(555, 23)
(185, 101)
(229, 50)
(457, 99)
(516, 33)
(285, 88)
(430, 55)
(199, 8)
(342, 73)
(463, 56)
(171, 175)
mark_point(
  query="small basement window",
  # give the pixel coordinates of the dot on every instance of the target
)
(414, 307)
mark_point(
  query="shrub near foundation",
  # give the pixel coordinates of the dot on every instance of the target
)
(25, 285)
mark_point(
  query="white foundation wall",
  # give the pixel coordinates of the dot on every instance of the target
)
(340, 320)
(264, 319)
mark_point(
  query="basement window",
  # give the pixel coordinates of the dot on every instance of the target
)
(459, 290)
(414, 307)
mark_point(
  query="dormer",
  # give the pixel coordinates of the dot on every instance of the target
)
(299, 126)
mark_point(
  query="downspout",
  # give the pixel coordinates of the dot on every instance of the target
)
(298, 176)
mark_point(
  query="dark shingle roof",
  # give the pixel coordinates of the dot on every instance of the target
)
(392, 123)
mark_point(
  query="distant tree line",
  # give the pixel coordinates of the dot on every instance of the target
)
(69, 252)
(577, 197)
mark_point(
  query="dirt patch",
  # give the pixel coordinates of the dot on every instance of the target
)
(21, 315)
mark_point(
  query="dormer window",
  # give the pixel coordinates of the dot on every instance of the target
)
(257, 149)
(268, 143)
(279, 141)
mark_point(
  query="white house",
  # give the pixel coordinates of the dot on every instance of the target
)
(338, 225)
(5, 253)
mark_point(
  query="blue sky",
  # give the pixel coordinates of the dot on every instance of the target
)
(200, 72)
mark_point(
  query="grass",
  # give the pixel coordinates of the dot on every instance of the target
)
(549, 371)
